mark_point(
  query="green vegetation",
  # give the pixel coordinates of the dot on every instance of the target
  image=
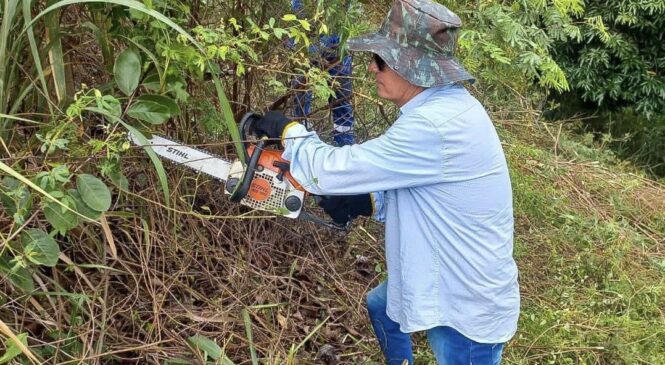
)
(617, 60)
(589, 240)
(107, 256)
(615, 69)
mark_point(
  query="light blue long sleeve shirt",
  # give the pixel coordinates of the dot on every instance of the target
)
(442, 188)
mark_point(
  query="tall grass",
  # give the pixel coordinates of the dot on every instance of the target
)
(15, 85)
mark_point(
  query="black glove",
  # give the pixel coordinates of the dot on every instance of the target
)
(344, 208)
(271, 125)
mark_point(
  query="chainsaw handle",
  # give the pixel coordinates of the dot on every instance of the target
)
(253, 161)
(247, 128)
(309, 217)
(239, 192)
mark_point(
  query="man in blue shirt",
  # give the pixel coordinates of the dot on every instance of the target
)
(438, 179)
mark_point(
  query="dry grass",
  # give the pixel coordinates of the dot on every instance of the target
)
(193, 270)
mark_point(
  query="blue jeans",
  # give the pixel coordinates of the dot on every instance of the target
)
(449, 346)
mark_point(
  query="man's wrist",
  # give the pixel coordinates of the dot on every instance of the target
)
(285, 130)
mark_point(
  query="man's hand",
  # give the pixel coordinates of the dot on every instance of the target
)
(271, 125)
(345, 208)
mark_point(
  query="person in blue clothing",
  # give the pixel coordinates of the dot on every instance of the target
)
(326, 55)
(439, 181)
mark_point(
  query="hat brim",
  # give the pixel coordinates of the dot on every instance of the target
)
(413, 64)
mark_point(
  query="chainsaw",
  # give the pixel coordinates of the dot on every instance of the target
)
(263, 182)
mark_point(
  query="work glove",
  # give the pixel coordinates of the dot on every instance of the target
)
(344, 208)
(272, 125)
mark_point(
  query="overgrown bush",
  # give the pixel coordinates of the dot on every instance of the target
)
(639, 139)
(615, 70)
(508, 45)
(619, 58)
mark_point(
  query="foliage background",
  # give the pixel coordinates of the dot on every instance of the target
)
(616, 74)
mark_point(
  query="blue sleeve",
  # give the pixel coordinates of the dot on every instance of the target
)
(409, 154)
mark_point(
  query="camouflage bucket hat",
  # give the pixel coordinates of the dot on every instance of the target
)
(417, 40)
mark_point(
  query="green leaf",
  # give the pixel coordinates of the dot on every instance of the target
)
(138, 15)
(149, 111)
(20, 276)
(111, 104)
(127, 71)
(82, 207)
(179, 89)
(156, 24)
(15, 197)
(13, 350)
(62, 220)
(210, 348)
(39, 247)
(119, 179)
(94, 192)
(162, 100)
(250, 337)
(177, 361)
(305, 24)
(279, 32)
(152, 82)
(278, 86)
(289, 17)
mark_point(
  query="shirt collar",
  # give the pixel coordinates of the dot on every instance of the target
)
(417, 100)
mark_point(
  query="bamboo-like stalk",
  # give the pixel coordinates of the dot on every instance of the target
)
(55, 53)
(34, 50)
(9, 11)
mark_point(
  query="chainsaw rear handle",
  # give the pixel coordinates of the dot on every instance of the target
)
(252, 163)
(240, 192)
(309, 217)
(247, 129)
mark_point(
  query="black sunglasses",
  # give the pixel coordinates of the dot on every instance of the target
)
(380, 63)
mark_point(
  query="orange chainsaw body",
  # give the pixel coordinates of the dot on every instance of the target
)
(267, 161)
